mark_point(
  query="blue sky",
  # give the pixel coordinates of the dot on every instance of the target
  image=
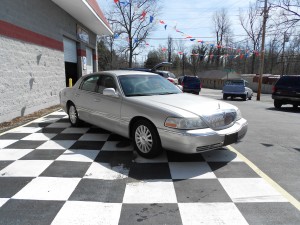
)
(193, 17)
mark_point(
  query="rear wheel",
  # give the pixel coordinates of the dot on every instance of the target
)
(224, 96)
(73, 116)
(277, 104)
(146, 139)
(245, 97)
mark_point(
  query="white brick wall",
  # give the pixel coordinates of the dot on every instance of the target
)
(31, 78)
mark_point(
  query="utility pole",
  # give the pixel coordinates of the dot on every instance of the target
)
(285, 39)
(262, 54)
(183, 64)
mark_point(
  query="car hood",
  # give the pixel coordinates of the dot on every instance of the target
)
(186, 103)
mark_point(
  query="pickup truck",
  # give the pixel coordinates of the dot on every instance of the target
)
(237, 88)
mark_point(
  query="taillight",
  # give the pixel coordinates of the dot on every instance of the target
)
(182, 84)
(274, 89)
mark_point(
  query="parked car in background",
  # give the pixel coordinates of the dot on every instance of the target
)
(164, 73)
(237, 88)
(190, 84)
(152, 112)
(287, 91)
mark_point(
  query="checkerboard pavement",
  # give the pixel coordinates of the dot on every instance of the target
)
(51, 173)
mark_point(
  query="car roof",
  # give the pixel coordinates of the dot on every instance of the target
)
(117, 73)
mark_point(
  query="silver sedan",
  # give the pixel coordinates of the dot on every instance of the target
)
(152, 112)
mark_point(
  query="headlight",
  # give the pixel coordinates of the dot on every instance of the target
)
(185, 123)
(238, 114)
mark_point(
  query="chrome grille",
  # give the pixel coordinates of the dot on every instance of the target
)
(209, 147)
(220, 119)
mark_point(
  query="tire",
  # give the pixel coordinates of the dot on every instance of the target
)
(277, 104)
(245, 97)
(295, 106)
(250, 97)
(73, 116)
(224, 96)
(146, 139)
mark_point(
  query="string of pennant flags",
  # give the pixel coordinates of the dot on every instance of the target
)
(234, 52)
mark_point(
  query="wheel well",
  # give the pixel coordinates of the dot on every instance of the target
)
(69, 103)
(135, 119)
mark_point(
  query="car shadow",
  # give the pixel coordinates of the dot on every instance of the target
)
(287, 109)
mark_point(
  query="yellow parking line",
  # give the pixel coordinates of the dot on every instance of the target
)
(283, 192)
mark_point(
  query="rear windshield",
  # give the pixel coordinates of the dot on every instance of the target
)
(192, 79)
(234, 82)
(293, 81)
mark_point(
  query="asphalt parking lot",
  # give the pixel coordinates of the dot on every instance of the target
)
(51, 173)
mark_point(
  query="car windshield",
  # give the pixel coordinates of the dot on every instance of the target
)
(142, 85)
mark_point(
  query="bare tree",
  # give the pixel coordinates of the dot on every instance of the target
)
(252, 24)
(135, 18)
(222, 29)
(289, 11)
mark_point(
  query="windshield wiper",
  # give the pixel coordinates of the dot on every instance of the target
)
(131, 95)
(167, 93)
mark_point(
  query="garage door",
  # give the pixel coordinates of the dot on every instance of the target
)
(70, 51)
(89, 60)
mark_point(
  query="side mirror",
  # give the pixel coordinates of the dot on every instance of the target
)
(110, 92)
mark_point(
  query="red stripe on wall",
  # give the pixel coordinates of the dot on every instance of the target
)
(81, 52)
(13, 31)
(95, 6)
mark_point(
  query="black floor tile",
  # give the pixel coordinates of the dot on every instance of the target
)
(146, 171)
(138, 214)
(9, 186)
(43, 155)
(51, 130)
(90, 145)
(115, 158)
(20, 212)
(232, 170)
(180, 157)
(13, 136)
(37, 125)
(5, 163)
(67, 137)
(98, 190)
(98, 130)
(200, 190)
(23, 144)
(116, 137)
(66, 169)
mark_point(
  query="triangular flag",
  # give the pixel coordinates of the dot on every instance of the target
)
(166, 27)
(143, 15)
(151, 19)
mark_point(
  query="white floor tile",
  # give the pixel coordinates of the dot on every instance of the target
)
(48, 188)
(191, 170)
(25, 168)
(211, 214)
(75, 130)
(46, 120)
(150, 191)
(94, 137)
(221, 156)
(92, 213)
(13, 154)
(106, 172)
(250, 190)
(57, 113)
(26, 129)
(3, 201)
(57, 144)
(4, 143)
(39, 137)
(112, 146)
(79, 155)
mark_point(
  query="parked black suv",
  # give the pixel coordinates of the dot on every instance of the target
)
(190, 84)
(287, 91)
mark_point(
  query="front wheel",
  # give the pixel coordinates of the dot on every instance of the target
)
(224, 96)
(73, 116)
(277, 104)
(146, 139)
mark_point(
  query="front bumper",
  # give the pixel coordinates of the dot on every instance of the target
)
(195, 141)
